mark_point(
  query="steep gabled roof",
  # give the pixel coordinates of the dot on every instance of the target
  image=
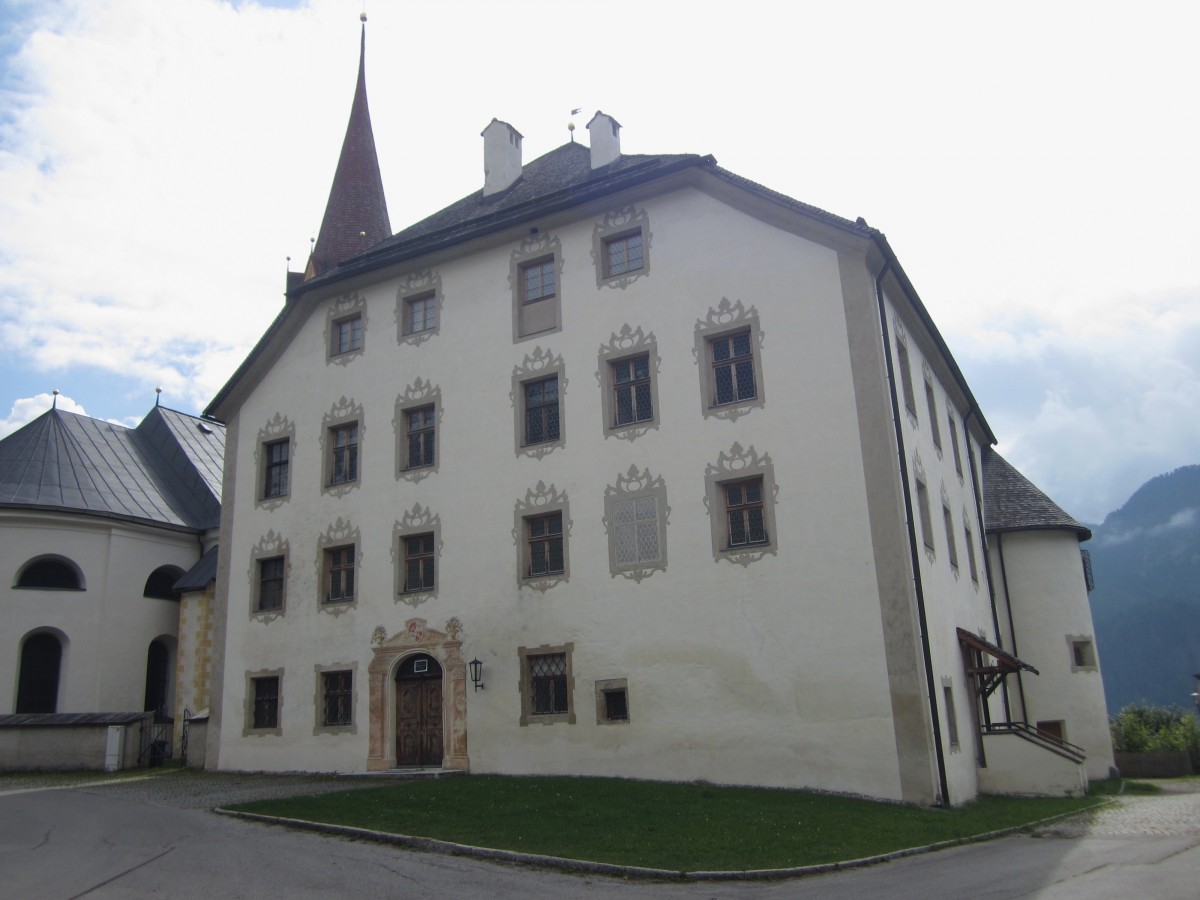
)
(356, 216)
(1011, 502)
(165, 472)
(557, 181)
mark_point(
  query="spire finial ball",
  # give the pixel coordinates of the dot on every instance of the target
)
(362, 17)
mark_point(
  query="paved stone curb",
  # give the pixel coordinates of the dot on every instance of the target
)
(581, 866)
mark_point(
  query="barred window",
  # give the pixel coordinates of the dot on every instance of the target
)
(347, 335)
(744, 512)
(421, 433)
(270, 583)
(537, 280)
(266, 702)
(542, 417)
(337, 690)
(339, 575)
(419, 562)
(275, 482)
(420, 313)
(732, 358)
(636, 526)
(547, 684)
(631, 390)
(344, 447)
(545, 541)
(623, 253)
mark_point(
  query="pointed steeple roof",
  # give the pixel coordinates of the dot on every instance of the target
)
(356, 216)
(1011, 502)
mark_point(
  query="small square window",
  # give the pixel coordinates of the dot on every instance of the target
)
(421, 437)
(632, 396)
(1083, 654)
(1055, 729)
(419, 561)
(343, 444)
(542, 413)
(339, 574)
(265, 711)
(337, 698)
(544, 542)
(346, 335)
(270, 584)
(420, 313)
(746, 523)
(612, 702)
(275, 478)
(623, 253)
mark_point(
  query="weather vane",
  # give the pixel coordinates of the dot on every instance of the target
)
(571, 125)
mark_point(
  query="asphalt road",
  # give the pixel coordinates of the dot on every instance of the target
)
(156, 838)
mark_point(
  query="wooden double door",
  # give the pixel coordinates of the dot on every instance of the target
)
(419, 736)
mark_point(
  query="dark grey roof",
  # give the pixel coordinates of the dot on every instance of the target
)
(201, 575)
(1011, 502)
(67, 720)
(167, 471)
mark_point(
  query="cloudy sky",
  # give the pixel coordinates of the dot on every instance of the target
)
(1034, 165)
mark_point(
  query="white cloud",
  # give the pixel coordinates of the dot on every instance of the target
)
(27, 409)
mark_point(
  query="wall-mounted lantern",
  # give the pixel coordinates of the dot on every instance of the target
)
(476, 672)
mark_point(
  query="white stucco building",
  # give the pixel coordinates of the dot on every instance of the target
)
(683, 463)
(97, 524)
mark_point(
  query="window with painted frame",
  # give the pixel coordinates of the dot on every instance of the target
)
(346, 335)
(337, 698)
(343, 450)
(339, 574)
(264, 703)
(547, 685)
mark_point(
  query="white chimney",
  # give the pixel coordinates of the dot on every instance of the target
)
(605, 139)
(501, 156)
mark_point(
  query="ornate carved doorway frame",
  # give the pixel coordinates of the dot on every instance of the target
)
(388, 652)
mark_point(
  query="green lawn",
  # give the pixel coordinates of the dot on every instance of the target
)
(680, 827)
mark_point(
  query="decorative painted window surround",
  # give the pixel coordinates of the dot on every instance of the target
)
(539, 502)
(935, 431)
(530, 659)
(343, 413)
(260, 685)
(615, 226)
(924, 510)
(417, 287)
(629, 344)
(418, 520)
(951, 543)
(636, 493)
(740, 465)
(969, 537)
(416, 396)
(951, 713)
(320, 706)
(543, 315)
(279, 429)
(270, 546)
(343, 309)
(538, 366)
(337, 536)
(729, 320)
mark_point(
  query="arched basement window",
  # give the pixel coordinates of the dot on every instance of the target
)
(161, 583)
(51, 573)
(41, 661)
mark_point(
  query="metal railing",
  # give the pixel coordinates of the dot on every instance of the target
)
(1065, 749)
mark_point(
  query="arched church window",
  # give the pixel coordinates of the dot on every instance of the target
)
(53, 573)
(161, 583)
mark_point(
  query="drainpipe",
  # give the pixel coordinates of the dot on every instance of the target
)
(913, 548)
(982, 541)
(1011, 627)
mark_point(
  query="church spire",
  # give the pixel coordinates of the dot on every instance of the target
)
(356, 217)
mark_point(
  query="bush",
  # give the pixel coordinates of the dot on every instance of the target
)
(1144, 728)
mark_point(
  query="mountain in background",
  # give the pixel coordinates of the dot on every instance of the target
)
(1146, 603)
